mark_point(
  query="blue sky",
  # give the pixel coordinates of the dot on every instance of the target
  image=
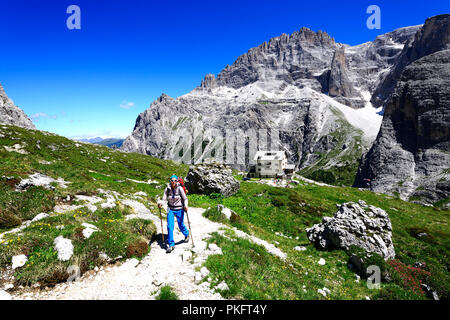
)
(95, 81)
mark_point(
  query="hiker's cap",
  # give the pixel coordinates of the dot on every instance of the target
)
(173, 176)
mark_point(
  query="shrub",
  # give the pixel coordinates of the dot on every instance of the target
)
(216, 196)
(409, 277)
(146, 228)
(166, 293)
(323, 176)
(8, 219)
(362, 259)
(138, 248)
(214, 214)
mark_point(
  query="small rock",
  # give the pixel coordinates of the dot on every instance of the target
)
(198, 277)
(322, 292)
(222, 286)
(64, 247)
(204, 272)
(321, 261)
(5, 295)
(19, 261)
(8, 286)
(213, 247)
(299, 248)
(40, 216)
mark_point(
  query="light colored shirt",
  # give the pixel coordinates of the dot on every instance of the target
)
(176, 198)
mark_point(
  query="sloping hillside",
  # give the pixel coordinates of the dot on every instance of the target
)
(103, 201)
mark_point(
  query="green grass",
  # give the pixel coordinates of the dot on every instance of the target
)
(344, 171)
(81, 165)
(167, 293)
(248, 269)
(266, 210)
(116, 237)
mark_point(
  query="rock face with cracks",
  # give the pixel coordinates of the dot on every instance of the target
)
(411, 154)
(11, 114)
(211, 178)
(357, 224)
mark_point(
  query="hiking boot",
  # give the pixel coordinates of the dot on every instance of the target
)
(186, 240)
(170, 249)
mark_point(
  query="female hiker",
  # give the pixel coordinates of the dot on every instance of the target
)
(178, 204)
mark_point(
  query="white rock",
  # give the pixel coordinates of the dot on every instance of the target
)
(322, 292)
(104, 256)
(40, 216)
(321, 261)
(199, 247)
(222, 286)
(64, 247)
(198, 277)
(213, 247)
(204, 272)
(5, 295)
(199, 260)
(299, 248)
(8, 286)
(367, 298)
(19, 261)
(89, 229)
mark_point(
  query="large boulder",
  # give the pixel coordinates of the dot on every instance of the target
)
(355, 224)
(211, 178)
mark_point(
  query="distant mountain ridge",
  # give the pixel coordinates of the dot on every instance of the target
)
(109, 142)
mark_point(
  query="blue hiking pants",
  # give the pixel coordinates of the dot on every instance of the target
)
(170, 224)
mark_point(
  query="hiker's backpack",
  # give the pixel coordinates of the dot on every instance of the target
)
(181, 182)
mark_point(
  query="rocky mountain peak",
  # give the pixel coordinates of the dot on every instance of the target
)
(209, 81)
(11, 114)
(319, 38)
(164, 98)
(432, 37)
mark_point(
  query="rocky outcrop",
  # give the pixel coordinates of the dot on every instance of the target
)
(411, 154)
(11, 114)
(211, 178)
(432, 37)
(355, 224)
(339, 85)
(302, 89)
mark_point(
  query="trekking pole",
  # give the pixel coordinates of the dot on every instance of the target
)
(162, 230)
(189, 224)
